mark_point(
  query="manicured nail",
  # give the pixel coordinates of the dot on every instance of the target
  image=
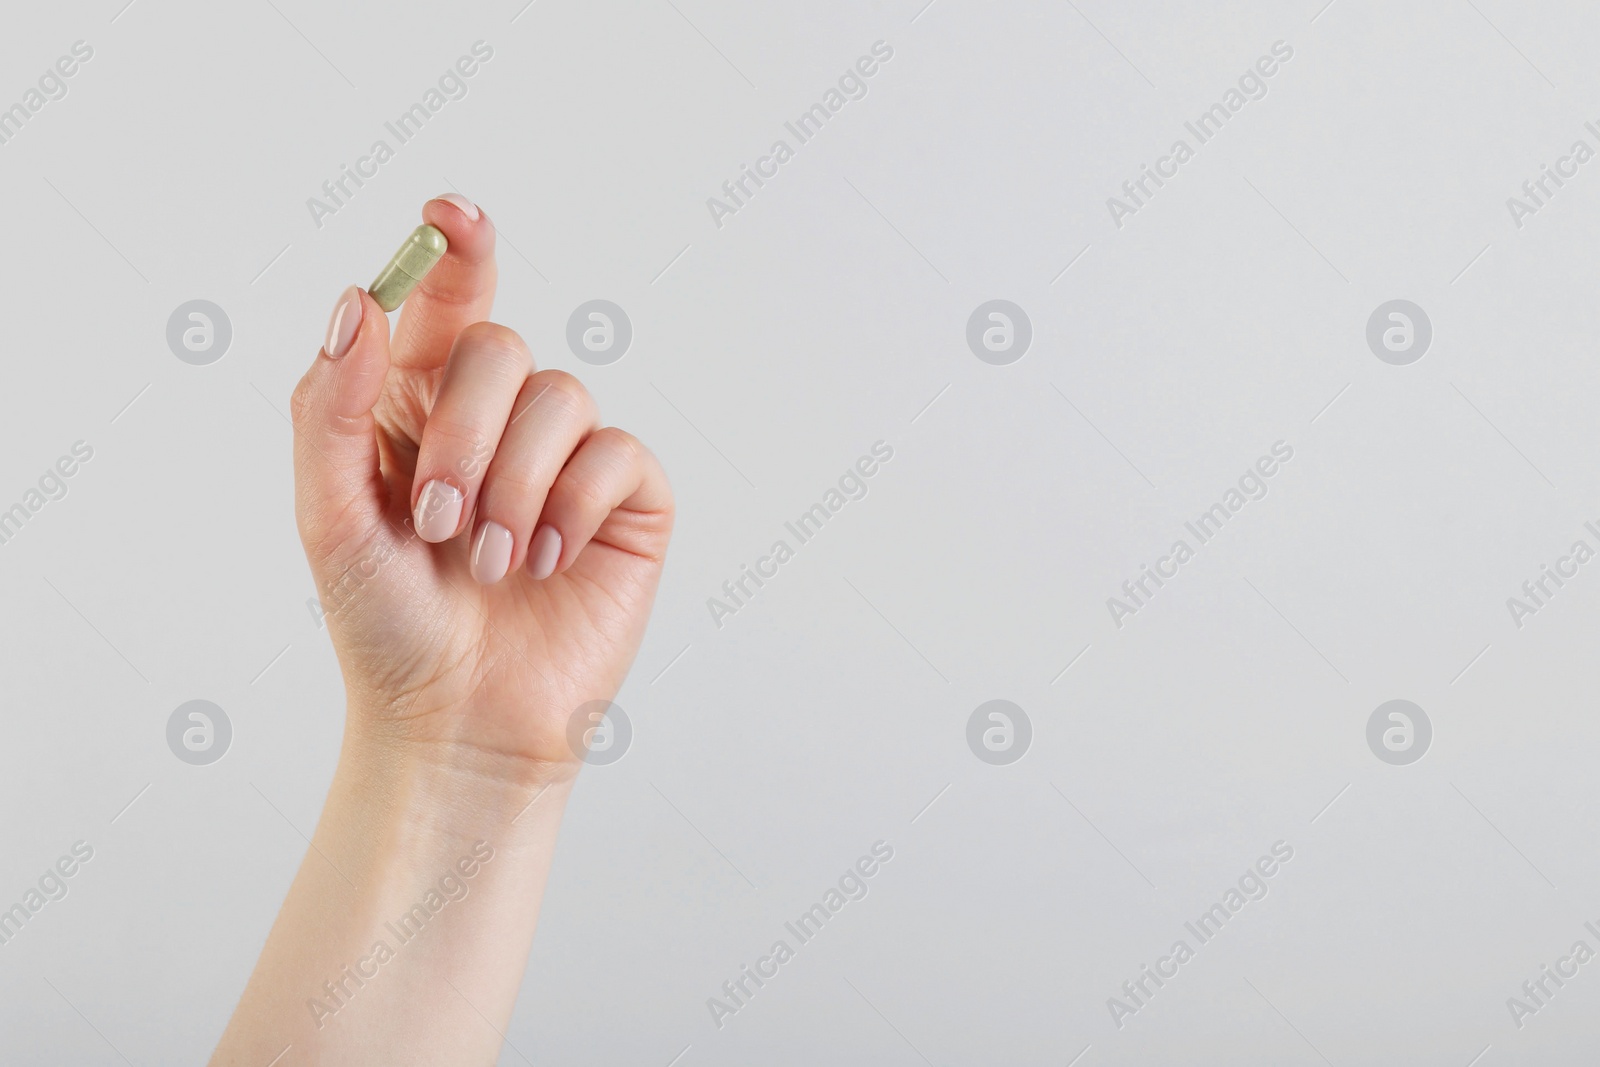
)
(438, 511)
(465, 206)
(545, 552)
(343, 325)
(491, 555)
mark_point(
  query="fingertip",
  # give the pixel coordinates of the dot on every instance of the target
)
(437, 511)
(544, 552)
(468, 208)
(364, 362)
(492, 553)
(469, 231)
(458, 291)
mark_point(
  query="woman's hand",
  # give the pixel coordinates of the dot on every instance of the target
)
(486, 553)
(486, 556)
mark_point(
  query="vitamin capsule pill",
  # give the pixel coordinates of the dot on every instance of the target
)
(410, 265)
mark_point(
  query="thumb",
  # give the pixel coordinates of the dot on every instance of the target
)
(339, 488)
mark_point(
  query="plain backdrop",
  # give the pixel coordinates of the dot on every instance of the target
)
(1171, 349)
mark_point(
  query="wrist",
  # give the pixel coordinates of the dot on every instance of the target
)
(445, 788)
(483, 732)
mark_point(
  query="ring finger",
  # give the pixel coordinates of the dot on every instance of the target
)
(552, 416)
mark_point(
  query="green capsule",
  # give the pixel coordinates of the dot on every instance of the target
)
(410, 265)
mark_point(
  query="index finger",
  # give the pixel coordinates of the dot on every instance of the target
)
(457, 292)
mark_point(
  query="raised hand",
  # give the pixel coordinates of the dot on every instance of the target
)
(487, 552)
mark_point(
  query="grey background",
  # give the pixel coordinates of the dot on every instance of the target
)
(767, 356)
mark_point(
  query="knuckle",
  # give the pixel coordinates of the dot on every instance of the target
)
(449, 435)
(506, 488)
(301, 403)
(490, 342)
(454, 447)
(515, 485)
(561, 390)
(627, 448)
(584, 494)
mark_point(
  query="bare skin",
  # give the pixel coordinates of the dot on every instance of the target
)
(471, 624)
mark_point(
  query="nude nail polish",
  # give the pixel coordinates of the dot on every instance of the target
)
(545, 552)
(462, 204)
(438, 511)
(344, 323)
(491, 554)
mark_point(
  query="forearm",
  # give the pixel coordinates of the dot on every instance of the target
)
(405, 934)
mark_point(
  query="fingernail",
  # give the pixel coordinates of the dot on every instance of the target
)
(491, 556)
(438, 511)
(343, 325)
(545, 552)
(465, 206)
